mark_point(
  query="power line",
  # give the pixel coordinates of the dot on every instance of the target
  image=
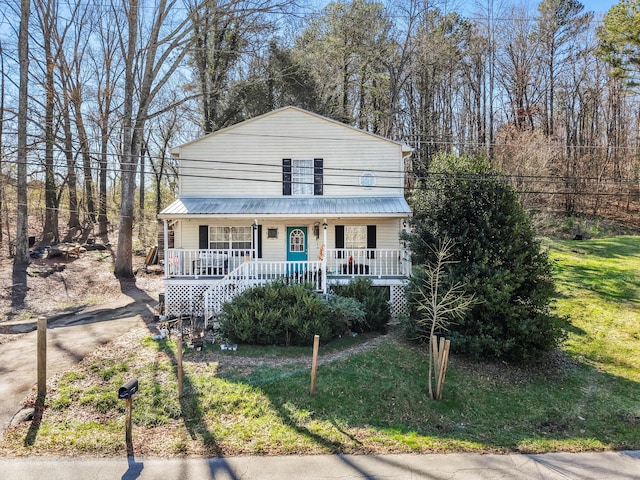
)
(276, 171)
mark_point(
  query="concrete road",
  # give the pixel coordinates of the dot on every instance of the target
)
(553, 466)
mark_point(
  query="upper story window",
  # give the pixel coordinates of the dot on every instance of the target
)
(302, 176)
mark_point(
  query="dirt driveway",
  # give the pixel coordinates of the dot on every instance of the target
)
(69, 339)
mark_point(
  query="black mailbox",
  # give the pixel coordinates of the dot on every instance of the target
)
(128, 389)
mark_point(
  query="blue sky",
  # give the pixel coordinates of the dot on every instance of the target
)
(600, 6)
(597, 6)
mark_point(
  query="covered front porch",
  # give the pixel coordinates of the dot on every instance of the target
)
(198, 282)
(336, 262)
(217, 255)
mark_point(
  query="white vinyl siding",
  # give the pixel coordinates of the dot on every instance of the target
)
(274, 249)
(248, 158)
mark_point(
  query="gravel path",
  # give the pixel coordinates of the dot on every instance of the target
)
(226, 360)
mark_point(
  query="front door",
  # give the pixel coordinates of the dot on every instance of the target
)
(297, 244)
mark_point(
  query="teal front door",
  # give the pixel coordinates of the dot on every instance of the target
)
(297, 244)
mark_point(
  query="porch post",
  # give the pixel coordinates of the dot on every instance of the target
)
(324, 256)
(255, 240)
(166, 246)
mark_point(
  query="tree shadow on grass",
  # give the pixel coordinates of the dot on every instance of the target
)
(191, 411)
(491, 407)
(195, 422)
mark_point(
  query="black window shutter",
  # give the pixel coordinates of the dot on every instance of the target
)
(259, 241)
(286, 176)
(204, 237)
(339, 238)
(317, 176)
(371, 239)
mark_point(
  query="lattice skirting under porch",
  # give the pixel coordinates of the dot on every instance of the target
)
(398, 300)
(185, 299)
(188, 299)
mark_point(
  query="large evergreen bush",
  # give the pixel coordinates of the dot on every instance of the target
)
(278, 314)
(498, 259)
(281, 314)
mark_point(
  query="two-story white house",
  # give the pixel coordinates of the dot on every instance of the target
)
(289, 194)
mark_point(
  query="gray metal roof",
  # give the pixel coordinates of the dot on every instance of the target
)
(286, 207)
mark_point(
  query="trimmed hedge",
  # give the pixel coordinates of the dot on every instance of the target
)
(282, 314)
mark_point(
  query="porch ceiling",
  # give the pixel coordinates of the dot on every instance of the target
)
(190, 207)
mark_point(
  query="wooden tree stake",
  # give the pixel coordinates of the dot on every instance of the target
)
(314, 363)
(440, 355)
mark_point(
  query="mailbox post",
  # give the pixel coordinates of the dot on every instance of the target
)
(126, 392)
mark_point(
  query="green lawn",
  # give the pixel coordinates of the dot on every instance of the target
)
(586, 397)
(599, 283)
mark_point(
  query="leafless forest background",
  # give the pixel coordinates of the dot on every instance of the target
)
(543, 91)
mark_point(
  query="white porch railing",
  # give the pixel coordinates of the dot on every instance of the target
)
(339, 262)
(371, 262)
(185, 264)
(198, 262)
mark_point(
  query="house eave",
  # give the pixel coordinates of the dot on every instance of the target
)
(281, 216)
(286, 207)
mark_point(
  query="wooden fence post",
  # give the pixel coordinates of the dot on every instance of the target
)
(42, 358)
(180, 383)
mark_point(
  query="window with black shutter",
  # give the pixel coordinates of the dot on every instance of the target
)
(286, 176)
(317, 176)
(339, 238)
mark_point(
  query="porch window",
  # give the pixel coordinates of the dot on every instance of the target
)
(241, 238)
(219, 238)
(355, 236)
(223, 238)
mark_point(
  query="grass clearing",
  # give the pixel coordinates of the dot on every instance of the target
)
(256, 401)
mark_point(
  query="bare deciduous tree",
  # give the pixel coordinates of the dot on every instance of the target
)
(148, 67)
(22, 258)
(439, 304)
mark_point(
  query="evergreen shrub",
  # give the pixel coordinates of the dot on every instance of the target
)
(374, 300)
(498, 259)
(279, 314)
